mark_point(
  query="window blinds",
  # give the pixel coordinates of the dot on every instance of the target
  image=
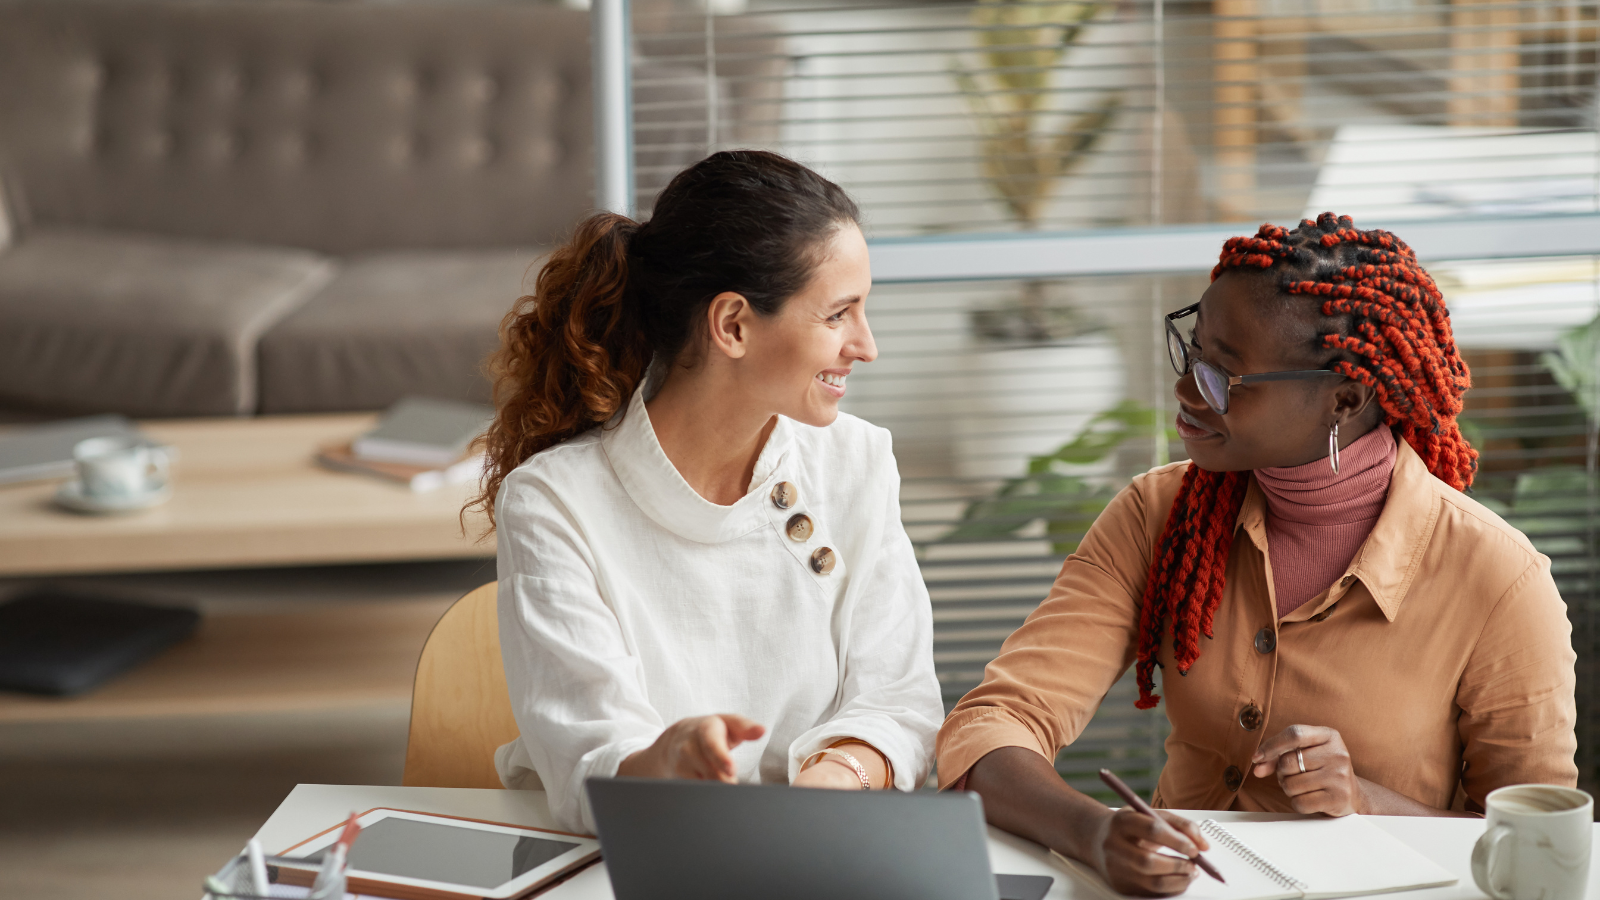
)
(1042, 180)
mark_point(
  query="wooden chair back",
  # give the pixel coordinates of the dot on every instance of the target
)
(460, 708)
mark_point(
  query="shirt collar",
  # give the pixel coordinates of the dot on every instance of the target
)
(655, 484)
(1388, 559)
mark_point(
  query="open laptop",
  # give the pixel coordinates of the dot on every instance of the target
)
(665, 840)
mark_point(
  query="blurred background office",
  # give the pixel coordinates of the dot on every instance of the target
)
(297, 213)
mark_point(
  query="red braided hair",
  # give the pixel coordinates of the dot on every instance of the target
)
(1392, 333)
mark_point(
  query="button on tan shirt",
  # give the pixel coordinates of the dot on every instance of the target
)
(1443, 656)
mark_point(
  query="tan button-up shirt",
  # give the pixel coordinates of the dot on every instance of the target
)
(1443, 655)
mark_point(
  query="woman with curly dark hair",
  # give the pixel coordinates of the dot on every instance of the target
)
(1339, 628)
(701, 563)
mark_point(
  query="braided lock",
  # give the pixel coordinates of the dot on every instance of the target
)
(1393, 334)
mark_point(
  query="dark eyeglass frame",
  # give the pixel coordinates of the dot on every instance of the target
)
(1214, 383)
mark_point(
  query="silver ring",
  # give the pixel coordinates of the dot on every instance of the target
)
(1302, 758)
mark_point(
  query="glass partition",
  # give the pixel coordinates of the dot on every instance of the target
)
(1030, 383)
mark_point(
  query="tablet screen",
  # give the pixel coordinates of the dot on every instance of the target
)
(448, 853)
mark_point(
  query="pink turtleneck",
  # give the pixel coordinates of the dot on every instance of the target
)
(1316, 520)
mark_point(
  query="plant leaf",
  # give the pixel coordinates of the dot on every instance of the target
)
(1067, 502)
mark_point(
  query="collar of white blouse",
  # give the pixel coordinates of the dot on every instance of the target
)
(661, 492)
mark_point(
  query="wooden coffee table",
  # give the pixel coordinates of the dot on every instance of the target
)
(246, 492)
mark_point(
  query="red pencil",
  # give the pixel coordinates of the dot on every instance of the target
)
(1132, 799)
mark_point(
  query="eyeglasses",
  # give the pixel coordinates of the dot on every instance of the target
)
(1214, 384)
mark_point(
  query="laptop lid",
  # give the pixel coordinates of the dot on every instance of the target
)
(665, 840)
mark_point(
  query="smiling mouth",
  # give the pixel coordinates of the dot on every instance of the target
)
(834, 383)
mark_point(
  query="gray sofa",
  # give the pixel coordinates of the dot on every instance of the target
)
(277, 206)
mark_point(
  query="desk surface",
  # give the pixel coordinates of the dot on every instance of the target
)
(310, 808)
(246, 492)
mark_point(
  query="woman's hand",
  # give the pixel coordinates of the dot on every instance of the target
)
(697, 748)
(1023, 795)
(1326, 784)
(1330, 784)
(1128, 849)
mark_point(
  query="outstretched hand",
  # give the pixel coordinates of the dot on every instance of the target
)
(698, 748)
(1314, 768)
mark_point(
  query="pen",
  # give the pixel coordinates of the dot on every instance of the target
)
(258, 867)
(1132, 799)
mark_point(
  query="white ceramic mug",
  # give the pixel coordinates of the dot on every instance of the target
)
(112, 467)
(1536, 845)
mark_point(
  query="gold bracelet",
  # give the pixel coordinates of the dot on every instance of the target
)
(846, 758)
(888, 764)
(852, 762)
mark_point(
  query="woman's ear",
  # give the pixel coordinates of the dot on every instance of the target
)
(1354, 402)
(728, 317)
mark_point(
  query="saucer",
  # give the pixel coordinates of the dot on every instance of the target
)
(71, 496)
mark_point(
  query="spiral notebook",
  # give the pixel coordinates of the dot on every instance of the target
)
(1299, 858)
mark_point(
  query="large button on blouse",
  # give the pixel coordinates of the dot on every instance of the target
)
(1251, 717)
(785, 495)
(1232, 778)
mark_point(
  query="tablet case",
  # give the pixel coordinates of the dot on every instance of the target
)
(60, 643)
(377, 888)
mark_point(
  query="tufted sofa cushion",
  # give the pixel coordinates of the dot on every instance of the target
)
(339, 127)
(142, 324)
(391, 325)
(164, 157)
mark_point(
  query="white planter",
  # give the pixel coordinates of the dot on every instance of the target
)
(1023, 401)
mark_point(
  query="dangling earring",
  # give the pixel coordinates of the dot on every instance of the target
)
(1333, 447)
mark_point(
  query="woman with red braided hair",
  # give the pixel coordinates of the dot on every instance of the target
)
(1339, 628)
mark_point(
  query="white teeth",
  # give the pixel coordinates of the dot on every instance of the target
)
(835, 380)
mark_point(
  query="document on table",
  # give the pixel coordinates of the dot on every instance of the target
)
(1302, 858)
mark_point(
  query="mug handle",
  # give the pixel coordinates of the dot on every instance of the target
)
(161, 462)
(1484, 854)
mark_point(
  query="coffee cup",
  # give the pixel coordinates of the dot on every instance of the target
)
(120, 467)
(1536, 843)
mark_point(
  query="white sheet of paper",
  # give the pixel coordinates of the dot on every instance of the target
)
(1344, 857)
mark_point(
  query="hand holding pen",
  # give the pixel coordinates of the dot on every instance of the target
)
(1175, 837)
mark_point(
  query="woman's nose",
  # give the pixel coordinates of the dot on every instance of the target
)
(1188, 393)
(863, 347)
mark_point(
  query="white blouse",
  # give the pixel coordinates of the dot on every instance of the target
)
(628, 602)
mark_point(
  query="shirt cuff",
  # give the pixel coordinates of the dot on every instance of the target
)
(602, 762)
(910, 765)
(973, 734)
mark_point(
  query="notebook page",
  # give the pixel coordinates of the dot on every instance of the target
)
(1344, 857)
(1244, 883)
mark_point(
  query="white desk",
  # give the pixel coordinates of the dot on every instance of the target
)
(310, 808)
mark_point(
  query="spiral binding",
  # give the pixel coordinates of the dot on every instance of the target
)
(1215, 833)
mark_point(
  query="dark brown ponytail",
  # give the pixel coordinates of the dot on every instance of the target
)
(570, 353)
(621, 293)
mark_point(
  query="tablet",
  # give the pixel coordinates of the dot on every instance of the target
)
(418, 856)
